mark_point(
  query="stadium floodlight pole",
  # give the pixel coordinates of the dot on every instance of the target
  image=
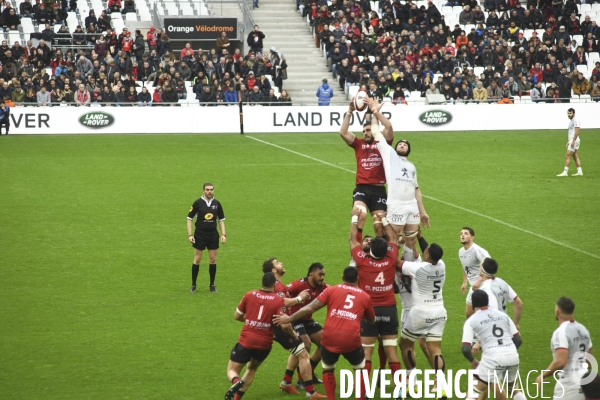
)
(241, 118)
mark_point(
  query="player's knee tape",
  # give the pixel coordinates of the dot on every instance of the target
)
(368, 345)
(410, 234)
(407, 335)
(362, 208)
(327, 366)
(360, 366)
(390, 342)
(297, 350)
(433, 338)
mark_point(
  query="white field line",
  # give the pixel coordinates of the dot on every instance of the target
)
(443, 202)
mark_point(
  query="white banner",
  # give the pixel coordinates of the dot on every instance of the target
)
(264, 119)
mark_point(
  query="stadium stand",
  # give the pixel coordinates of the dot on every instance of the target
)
(407, 49)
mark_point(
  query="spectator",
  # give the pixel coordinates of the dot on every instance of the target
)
(48, 34)
(104, 23)
(12, 20)
(43, 97)
(84, 66)
(493, 92)
(255, 40)
(18, 95)
(466, 16)
(120, 95)
(271, 99)
(250, 81)
(26, 9)
(181, 90)
(581, 85)
(480, 93)
(505, 100)
(42, 15)
(255, 97)
(144, 98)
(101, 47)
(524, 86)
(128, 7)
(163, 43)
(207, 96)
(58, 15)
(564, 84)
(82, 96)
(79, 37)
(537, 93)
(222, 42)
(132, 96)
(139, 47)
(152, 39)
(324, 93)
(285, 99)
(596, 92)
(114, 6)
(91, 19)
(231, 95)
(243, 93)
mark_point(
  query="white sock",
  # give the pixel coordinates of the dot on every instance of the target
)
(519, 396)
(579, 169)
(566, 169)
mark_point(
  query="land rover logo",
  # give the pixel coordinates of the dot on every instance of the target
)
(96, 119)
(435, 117)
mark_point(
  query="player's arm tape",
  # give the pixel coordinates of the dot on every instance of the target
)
(354, 219)
(385, 221)
(237, 310)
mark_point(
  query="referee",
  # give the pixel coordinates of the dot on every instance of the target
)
(207, 211)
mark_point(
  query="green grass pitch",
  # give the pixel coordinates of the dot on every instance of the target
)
(95, 263)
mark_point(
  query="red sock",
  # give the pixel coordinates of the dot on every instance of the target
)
(288, 376)
(362, 383)
(309, 387)
(234, 380)
(382, 357)
(395, 366)
(330, 384)
(238, 396)
(368, 367)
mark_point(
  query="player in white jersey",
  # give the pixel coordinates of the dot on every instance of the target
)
(471, 256)
(498, 290)
(569, 344)
(500, 339)
(572, 145)
(405, 210)
(427, 316)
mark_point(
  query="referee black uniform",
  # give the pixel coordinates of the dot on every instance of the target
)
(206, 236)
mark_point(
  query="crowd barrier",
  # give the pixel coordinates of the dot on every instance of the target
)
(293, 119)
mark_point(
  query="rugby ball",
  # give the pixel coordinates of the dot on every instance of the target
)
(359, 100)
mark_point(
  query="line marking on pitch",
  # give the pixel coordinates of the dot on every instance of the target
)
(442, 202)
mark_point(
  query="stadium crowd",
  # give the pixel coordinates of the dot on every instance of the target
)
(92, 63)
(496, 49)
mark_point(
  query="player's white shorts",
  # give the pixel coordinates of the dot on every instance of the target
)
(566, 389)
(403, 214)
(500, 364)
(469, 301)
(403, 318)
(428, 322)
(571, 148)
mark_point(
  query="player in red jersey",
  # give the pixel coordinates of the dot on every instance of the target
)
(369, 194)
(346, 307)
(309, 329)
(298, 354)
(377, 274)
(256, 310)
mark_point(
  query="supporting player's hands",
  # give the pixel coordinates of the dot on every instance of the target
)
(475, 349)
(351, 106)
(425, 220)
(223, 238)
(281, 319)
(463, 287)
(192, 239)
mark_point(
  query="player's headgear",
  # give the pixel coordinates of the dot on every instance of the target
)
(489, 266)
(479, 299)
(566, 305)
(268, 265)
(591, 390)
(435, 252)
(268, 280)
(403, 141)
(314, 267)
(378, 247)
(471, 231)
(350, 275)
(571, 110)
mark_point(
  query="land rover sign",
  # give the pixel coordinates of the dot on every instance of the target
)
(96, 119)
(435, 117)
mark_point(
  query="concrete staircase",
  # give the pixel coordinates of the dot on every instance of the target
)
(285, 29)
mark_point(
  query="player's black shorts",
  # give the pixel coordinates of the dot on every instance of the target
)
(242, 355)
(354, 357)
(307, 327)
(386, 323)
(205, 240)
(373, 196)
(287, 342)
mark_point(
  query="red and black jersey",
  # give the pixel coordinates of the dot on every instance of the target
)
(377, 276)
(346, 306)
(296, 287)
(259, 307)
(369, 165)
(283, 292)
(207, 214)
